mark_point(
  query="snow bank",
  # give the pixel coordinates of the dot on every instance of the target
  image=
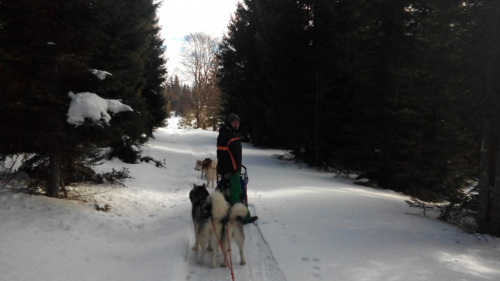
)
(92, 106)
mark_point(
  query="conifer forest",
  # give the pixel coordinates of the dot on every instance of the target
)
(404, 93)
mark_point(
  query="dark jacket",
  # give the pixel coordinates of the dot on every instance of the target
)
(226, 163)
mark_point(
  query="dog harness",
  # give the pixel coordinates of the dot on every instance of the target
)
(226, 148)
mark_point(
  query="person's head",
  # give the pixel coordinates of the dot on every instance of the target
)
(234, 121)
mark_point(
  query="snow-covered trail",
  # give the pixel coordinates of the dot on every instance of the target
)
(147, 235)
(197, 144)
(322, 228)
(311, 227)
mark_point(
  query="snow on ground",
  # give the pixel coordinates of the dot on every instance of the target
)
(311, 226)
(173, 122)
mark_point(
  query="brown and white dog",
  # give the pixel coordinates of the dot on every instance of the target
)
(208, 167)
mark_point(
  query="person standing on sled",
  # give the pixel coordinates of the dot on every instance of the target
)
(229, 154)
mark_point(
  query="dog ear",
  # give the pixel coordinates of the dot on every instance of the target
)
(204, 186)
(194, 186)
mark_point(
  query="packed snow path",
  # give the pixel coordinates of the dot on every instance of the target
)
(311, 226)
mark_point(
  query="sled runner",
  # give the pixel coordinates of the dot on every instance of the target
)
(244, 183)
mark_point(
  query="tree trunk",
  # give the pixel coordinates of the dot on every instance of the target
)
(495, 198)
(254, 141)
(64, 188)
(484, 182)
(197, 117)
(485, 201)
(54, 178)
(316, 119)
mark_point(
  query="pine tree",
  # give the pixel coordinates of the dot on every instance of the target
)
(47, 50)
(173, 93)
(243, 85)
(483, 55)
(45, 59)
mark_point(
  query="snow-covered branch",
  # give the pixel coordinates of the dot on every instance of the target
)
(101, 74)
(92, 106)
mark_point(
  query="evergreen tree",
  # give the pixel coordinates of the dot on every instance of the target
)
(47, 49)
(173, 92)
(154, 72)
(482, 41)
(243, 85)
(356, 70)
(186, 101)
(401, 92)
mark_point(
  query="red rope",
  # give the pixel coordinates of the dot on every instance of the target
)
(229, 243)
(220, 245)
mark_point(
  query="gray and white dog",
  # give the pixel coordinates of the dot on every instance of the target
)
(218, 221)
(198, 196)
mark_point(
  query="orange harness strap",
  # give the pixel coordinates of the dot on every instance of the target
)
(226, 148)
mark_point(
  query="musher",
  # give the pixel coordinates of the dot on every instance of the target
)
(229, 154)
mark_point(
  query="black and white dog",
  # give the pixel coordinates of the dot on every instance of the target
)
(213, 221)
(198, 196)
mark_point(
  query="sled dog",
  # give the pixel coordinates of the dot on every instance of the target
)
(198, 196)
(201, 165)
(216, 216)
(235, 231)
(208, 168)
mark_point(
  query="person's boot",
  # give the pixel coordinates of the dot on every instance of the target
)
(252, 219)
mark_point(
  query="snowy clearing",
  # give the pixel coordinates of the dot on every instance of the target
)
(311, 226)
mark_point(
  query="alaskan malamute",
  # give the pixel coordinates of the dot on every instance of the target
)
(217, 217)
(198, 196)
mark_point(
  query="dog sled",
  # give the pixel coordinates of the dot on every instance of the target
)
(243, 182)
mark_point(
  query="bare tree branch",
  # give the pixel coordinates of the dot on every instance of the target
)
(200, 62)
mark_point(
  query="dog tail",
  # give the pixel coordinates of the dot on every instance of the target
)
(214, 163)
(237, 210)
(219, 205)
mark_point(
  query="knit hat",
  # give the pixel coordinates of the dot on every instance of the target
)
(233, 117)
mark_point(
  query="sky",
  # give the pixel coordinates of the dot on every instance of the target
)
(178, 18)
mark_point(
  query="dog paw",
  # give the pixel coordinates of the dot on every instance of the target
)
(200, 262)
(224, 264)
(209, 248)
(195, 248)
(243, 263)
